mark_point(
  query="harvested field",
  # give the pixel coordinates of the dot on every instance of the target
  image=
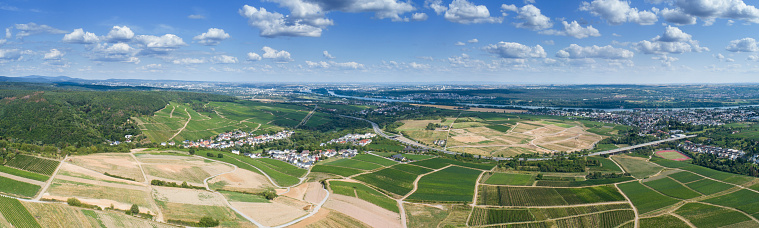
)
(187, 196)
(240, 180)
(638, 167)
(72, 170)
(361, 210)
(327, 218)
(315, 193)
(281, 210)
(190, 170)
(129, 194)
(117, 164)
(191, 212)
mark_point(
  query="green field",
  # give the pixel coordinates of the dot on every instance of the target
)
(668, 221)
(15, 213)
(24, 174)
(708, 187)
(15, 187)
(645, 199)
(703, 215)
(283, 167)
(452, 184)
(744, 200)
(671, 188)
(281, 178)
(375, 159)
(637, 167)
(411, 169)
(685, 177)
(437, 163)
(342, 171)
(34, 164)
(591, 182)
(719, 175)
(560, 212)
(609, 219)
(391, 180)
(351, 163)
(488, 216)
(536, 196)
(243, 197)
(606, 165)
(363, 192)
(510, 179)
(417, 157)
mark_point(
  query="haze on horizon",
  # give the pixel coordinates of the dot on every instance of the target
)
(514, 41)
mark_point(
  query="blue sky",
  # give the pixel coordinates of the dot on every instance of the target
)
(511, 41)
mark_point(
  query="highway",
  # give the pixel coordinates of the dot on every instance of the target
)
(410, 142)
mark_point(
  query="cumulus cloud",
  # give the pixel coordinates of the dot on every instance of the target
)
(575, 51)
(532, 19)
(119, 34)
(333, 64)
(575, 30)
(9, 55)
(54, 54)
(747, 44)
(464, 12)
(327, 55)
(616, 12)
(711, 9)
(160, 44)
(118, 52)
(273, 24)
(673, 41)
(472, 41)
(252, 56)
(224, 59)
(382, 9)
(196, 16)
(187, 61)
(459, 43)
(419, 16)
(213, 37)
(515, 50)
(153, 67)
(276, 56)
(436, 5)
(79, 36)
(8, 33)
(34, 29)
(677, 16)
(722, 58)
(666, 61)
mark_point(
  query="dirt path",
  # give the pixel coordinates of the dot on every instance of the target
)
(183, 127)
(618, 165)
(448, 135)
(171, 114)
(308, 117)
(637, 215)
(159, 213)
(686, 221)
(23, 179)
(49, 181)
(416, 182)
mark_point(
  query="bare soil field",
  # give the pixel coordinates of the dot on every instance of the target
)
(114, 219)
(103, 203)
(187, 196)
(103, 194)
(72, 170)
(241, 180)
(327, 218)
(297, 192)
(281, 210)
(181, 168)
(59, 215)
(361, 210)
(315, 193)
(191, 212)
(113, 163)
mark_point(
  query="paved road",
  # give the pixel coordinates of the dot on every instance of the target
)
(407, 141)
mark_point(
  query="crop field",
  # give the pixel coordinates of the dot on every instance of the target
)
(488, 216)
(509, 179)
(391, 180)
(437, 163)
(34, 164)
(452, 184)
(67, 189)
(645, 199)
(671, 188)
(16, 213)
(703, 215)
(672, 155)
(342, 171)
(663, 221)
(416, 170)
(191, 212)
(607, 219)
(560, 212)
(637, 167)
(708, 187)
(19, 188)
(365, 193)
(283, 167)
(552, 183)
(351, 163)
(24, 174)
(281, 178)
(526, 196)
(685, 177)
(375, 159)
(606, 165)
(719, 175)
(744, 200)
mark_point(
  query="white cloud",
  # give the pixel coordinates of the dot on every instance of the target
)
(2, 41)
(224, 59)
(214, 36)
(327, 55)
(33, 29)
(575, 30)
(276, 56)
(677, 16)
(673, 41)
(419, 16)
(54, 54)
(252, 56)
(274, 24)
(333, 64)
(472, 41)
(196, 16)
(515, 50)
(436, 5)
(575, 51)
(532, 19)
(118, 52)
(79, 36)
(9, 55)
(722, 58)
(119, 34)
(153, 67)
(616, 12)
(465, 12)
(187, 61)
(666, 61)
(747, 44)
(711, 9)
(8, 33)
(160, 44)
(753, 58)
(459, 43)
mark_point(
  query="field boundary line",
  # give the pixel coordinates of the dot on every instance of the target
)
(555, 206)
(635, 210)
(159, 213)
(686, 221)
(416, 182)
(183, 127)
(686, 186)
(49, 181)
(618, 165)
(474, 198)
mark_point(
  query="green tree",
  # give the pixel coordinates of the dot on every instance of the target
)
(135, 209)
(220, 155)
(206, 221)
(74, 202)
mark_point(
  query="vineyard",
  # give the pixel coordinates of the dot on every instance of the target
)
(672, 188)
(508, 179)
(16, 213)
(526, 196)
(342, 171)
(485, 216)
(283, 167)
(645, 199)
(607, 219)
(452, 184)
(703, 215)
(375, 159)
(365, 193)
(34, 164)
(355, 164)
(437, 163)
(19, 188)
(391, 180)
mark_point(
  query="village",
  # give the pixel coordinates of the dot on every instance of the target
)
(231, 139)
(355, 139)
(720, 152)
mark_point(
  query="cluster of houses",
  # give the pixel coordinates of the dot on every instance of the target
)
(731, 154)
(440, 142)
(355, 139)
(238, 138)
(305, 158)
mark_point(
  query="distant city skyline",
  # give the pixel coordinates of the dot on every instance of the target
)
(513, 41)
